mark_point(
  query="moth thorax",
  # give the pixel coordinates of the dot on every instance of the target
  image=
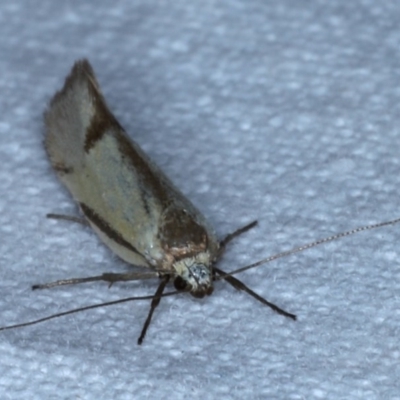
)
(194, 274)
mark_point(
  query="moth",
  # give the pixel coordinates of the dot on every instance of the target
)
(130, 203)
(126, 199)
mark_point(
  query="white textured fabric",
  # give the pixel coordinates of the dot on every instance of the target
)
(286, 112)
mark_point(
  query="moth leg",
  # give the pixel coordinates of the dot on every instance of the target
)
(107, 277)
(67, 218)
(231, 236)
(154, 303)
(241, 286)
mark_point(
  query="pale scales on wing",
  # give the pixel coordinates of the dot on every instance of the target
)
(128, 201)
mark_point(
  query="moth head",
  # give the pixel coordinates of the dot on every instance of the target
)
(195, 276)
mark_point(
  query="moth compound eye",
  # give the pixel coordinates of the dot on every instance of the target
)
(180, 284)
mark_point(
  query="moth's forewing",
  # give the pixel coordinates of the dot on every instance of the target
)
(128, 201)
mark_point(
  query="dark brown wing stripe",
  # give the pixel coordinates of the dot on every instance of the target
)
(95, 218)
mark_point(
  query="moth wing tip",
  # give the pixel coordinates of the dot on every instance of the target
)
(81, 73)
(82, 67)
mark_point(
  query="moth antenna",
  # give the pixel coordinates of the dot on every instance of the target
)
(308, 246)
(76, 310)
